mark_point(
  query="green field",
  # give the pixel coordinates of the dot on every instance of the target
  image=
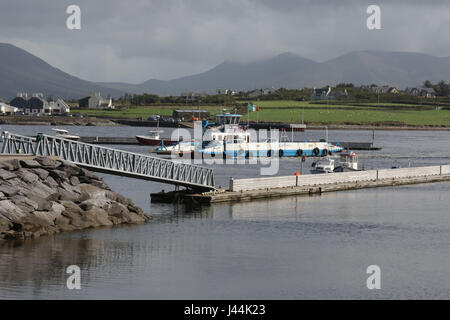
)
(291, 111)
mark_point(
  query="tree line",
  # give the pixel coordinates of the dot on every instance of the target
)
(353, 93)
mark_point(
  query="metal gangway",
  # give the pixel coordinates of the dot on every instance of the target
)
(111, 161)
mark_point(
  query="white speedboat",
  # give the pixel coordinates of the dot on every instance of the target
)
(62, 133)
(348, 162)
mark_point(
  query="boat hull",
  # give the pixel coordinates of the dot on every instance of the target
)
(290, 149)
(154, 142)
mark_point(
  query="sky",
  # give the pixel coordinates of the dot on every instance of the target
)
(137, 40)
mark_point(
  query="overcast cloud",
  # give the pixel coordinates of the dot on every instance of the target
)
(136, 40)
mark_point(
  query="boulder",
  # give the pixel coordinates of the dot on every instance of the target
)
(30, 164)
(25, 203)
(6, 175)
(27, 175)
(5, 224)
(49, 181)
(70, 206)
(41, 189)
(10, 211)
(71, 171)
(57, 208)
(47, 216)
(43, 174)
(88, 174)
(9, 190)
(59, 175)
(74, 181)
(48, 163)
(65, 195)
(96, 192)
(98, 216)
(96, 203)
(100, 184)
(6, 166)
(10, 165)
(123, 200)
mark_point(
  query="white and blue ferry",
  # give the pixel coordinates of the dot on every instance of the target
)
(230, 139)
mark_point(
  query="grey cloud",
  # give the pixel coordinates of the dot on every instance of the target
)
(137, 40)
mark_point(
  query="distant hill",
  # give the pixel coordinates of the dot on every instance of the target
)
(21, 71)
(401, 69)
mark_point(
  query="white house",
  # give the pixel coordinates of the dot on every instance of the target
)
(7, 109)
(58, 107)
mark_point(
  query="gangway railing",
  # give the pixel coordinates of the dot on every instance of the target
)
(112, 161)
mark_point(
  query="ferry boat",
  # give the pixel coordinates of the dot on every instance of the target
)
(61, 133)
(228, 138)
(348, 162)
(154, 139)
(231, 139)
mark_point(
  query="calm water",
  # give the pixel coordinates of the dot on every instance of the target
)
(289, 248)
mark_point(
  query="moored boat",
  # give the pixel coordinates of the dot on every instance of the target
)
(154, 139)
(62, 133)
(348, 162)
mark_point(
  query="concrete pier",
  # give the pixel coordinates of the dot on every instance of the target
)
(109, 140)
(272, 187)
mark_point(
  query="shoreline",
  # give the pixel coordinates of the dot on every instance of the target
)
(114, 122)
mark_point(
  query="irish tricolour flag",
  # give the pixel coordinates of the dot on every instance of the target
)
(252, 107)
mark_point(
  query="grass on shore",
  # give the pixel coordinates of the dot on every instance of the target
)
(291, 111)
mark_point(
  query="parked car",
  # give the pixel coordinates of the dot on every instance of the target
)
(154, 117)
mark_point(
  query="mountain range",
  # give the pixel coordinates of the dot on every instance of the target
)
(21, 71)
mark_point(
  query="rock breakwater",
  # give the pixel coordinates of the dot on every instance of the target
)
(42, 196)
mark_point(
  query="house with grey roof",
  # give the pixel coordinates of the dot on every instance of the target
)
(96, 101)
(38, 105)
(421, 92)
(193, 96)
(384, 89)
(322, 94)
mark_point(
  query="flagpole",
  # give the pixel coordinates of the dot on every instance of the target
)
(248, 116)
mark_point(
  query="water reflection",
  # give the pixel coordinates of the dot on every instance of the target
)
(291, 248)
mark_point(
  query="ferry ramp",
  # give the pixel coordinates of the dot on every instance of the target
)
(112, 161)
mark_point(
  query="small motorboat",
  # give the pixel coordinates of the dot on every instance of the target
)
(348, 162)
(154, 139)
(61, 133)
(325, 165)
(181, 148)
